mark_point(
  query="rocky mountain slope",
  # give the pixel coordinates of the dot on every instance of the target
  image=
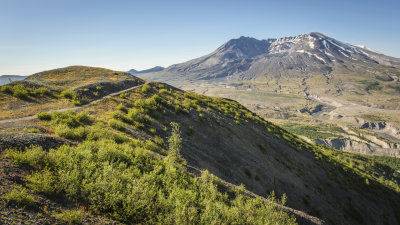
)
(308, 80)
(125, 148)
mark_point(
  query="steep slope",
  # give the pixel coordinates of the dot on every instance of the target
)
(219, 135)
(306, 78)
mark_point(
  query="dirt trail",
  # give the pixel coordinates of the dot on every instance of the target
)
(76, 107)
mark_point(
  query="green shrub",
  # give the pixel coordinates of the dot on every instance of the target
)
(175, 144)
(77, 134)
(68, 94)
(153, 130)
(136, 115)
(71, 118)
(163, 91)
(68, 118)
(122, 108)
(116, 125)
(33, 156)
(7, 89)
(159, 141)
(179, 109)
(34, 130)
(42, 91)
(122, 95)
(140, 103)
(43, 116)
(19, 91)
(42, 182)
(150, 145)
(100, 132)
(70, 216)
(84, 118)
(146, 88)
(77, 102)
(191, 104)
(20, 197)
(119, 116)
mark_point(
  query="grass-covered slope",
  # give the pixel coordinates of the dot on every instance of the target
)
(61, 88)
(127, 161)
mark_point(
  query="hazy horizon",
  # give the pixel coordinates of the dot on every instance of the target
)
(123, 35)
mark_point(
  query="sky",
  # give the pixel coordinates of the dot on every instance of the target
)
(37, 35)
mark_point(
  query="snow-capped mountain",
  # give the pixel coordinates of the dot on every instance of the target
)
(247, 58)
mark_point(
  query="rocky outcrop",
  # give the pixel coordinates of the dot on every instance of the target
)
(360, 147)
(384, 127)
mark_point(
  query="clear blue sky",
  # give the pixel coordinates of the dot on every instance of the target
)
(37, 35)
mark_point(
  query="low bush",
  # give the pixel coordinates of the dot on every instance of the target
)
(44, 116)
(116, 125)
(146, 88)
(20, 92)
(33, 156)
(163, 91)
(20, 197)
(70, 216)
(42, 182)
(34, 130)
(42, 91)
(84, 118)
(122, 108)
(136, 115)
(68, 94)
(71, 118)
(77, 134)
(7, 89)
(77, 102)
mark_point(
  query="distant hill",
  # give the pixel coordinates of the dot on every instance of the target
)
(151, 70)
(5, 79)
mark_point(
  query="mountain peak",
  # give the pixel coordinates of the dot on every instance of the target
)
(151, 70)
(246, 57)
(317, 34)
